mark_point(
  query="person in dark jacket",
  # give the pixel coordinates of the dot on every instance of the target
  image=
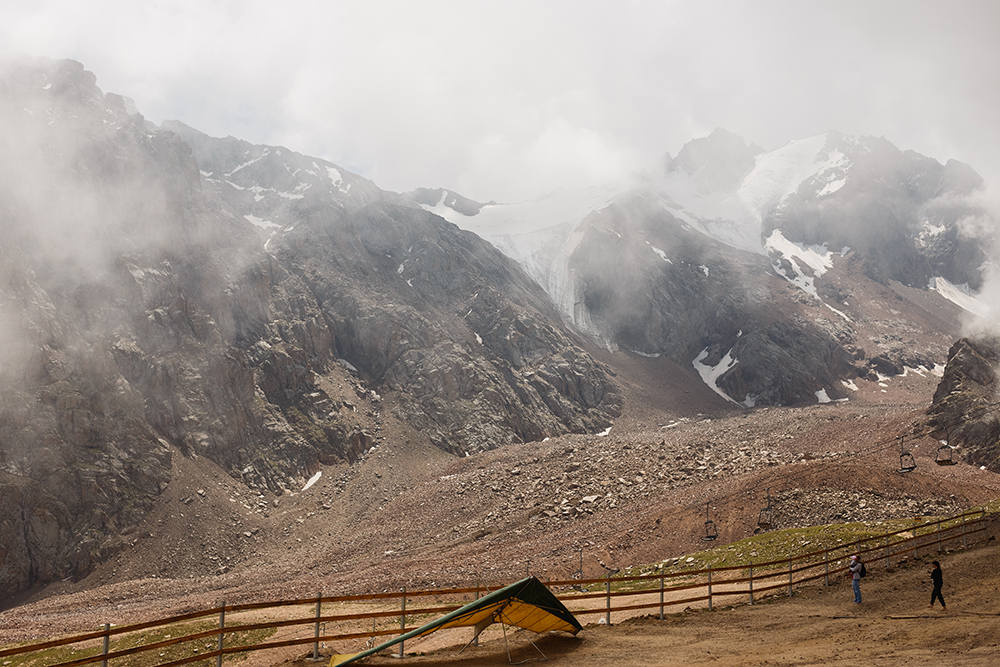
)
(854, 572)
(937, 578)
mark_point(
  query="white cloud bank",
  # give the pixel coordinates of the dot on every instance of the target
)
(507, 100)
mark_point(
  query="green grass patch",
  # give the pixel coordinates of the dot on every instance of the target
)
(184, 649)
(780, 545)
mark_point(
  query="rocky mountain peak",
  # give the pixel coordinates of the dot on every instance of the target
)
(716, 163)
(905, 213)
(682, 263)
(960, 178)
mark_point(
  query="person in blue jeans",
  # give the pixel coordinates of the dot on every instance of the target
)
(855, 569)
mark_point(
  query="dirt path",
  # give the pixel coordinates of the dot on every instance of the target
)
(818, 625)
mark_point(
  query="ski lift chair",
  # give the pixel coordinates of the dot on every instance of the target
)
(944, 456)
(711, 532)
(765, 519)
(906, 461)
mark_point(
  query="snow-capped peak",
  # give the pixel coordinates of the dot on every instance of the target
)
(733, 215)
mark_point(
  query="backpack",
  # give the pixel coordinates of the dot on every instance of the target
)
(863, 571)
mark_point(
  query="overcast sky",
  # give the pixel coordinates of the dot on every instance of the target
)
(506, 100)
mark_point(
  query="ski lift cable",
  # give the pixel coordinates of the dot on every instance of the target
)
(821, 468)
(880, 446)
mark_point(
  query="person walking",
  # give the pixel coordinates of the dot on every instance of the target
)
(855, 570)
(938, 580)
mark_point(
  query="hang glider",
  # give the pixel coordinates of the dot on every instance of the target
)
(526, 604)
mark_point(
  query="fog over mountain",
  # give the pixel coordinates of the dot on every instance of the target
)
(679, 262)
(509, 101)
(143, 317)
(165, 293)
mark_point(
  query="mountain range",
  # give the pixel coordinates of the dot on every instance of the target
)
(168, 294)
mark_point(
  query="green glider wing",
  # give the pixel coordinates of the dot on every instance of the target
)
(526, 604)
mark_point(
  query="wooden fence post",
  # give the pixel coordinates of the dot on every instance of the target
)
(222, 633)
(475, 639)
(319, 602)
(710, 589)
(826, 567)
(402, 621)
(916, 542)
(789, 577)
(607, 617)
(107, 643)
(751, 582)
(965, 543)
(662, 587)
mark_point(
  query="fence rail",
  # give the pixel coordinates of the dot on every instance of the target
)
(750, 580)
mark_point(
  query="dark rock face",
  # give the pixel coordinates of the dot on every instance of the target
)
(965, 411)
(663, 284)
(657, 288)
(142, 317)
(470, 347)
(910, 217)
(718, 162)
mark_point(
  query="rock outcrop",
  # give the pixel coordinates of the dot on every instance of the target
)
(657, 289)
(965, 412)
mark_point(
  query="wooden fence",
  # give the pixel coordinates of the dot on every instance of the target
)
(627, 595)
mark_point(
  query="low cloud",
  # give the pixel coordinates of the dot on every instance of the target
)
(983, 223)
(506, 100)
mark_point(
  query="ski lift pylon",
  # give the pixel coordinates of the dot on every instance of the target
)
(711, 532)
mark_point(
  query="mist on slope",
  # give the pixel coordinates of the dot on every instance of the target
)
(987, 201)
(74, 199)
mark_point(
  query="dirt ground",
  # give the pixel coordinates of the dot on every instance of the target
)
(418, 518)
(818, 625)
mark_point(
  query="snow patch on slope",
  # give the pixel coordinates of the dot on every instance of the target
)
(447, 212)
(816, 258)
(540, 235)
(312, 480)
(734, 218)
(799, 257)
(710, 375)
(249, 162)
(258, 222)
(960, 295)
(661, 254)
(334, 175)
